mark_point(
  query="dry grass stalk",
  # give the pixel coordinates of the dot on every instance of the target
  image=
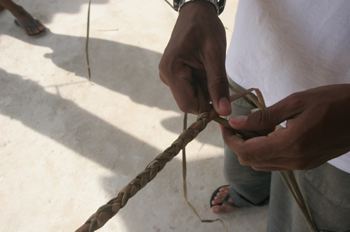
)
(87, 42)
(290, 180)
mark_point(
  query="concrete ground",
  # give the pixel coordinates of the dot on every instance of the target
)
(67, 146)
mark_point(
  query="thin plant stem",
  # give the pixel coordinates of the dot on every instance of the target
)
(184, 181)
(87, 42)
(169, 4)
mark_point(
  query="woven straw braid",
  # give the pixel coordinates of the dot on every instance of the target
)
(107, 211)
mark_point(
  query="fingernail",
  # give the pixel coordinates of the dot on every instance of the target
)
(238, 119)
(224, 104)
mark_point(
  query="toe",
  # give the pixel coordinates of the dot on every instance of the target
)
(225, 189)
(218, 207)
(222, 209)
(218, 199)
(220, 196)
(40, 26)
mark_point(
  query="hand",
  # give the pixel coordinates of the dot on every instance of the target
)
(196, 52)
(317, 130)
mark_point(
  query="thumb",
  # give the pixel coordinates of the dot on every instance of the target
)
(218, 86)
(214, 62)
(219, 93)
(265, 120)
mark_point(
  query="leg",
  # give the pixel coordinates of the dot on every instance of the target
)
(326, 193)
(247, 186)
(29, 25)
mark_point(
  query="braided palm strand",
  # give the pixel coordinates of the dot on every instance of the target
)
(107, 211)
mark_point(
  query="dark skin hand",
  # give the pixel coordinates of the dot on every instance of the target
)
(317, 130)
(318, 127)
(196, 52)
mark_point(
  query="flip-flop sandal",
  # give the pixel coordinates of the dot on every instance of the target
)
(35, 24)
(225, 201)
(1, 8)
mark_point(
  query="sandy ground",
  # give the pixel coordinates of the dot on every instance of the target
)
(67, 146)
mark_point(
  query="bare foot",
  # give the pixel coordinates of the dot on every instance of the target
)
(223, 208)
(29, 25)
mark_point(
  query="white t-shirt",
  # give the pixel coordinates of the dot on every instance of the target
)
(286, 46)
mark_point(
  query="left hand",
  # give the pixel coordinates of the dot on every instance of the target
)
(317, 130)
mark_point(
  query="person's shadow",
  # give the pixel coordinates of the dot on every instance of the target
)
(120, 68)
(38, 9)
(122, 154)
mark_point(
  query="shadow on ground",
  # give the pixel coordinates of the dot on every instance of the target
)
(122, 68)
(68, 7)
(65, 122)
(130, 71)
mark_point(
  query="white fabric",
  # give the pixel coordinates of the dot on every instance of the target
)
(286, 46)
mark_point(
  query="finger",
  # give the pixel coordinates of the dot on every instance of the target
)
(274, 164)
(201, 89)
(263, 148)
(268, 118)
(287, 163)
(230, 138)
(162, 78)
(267, 169)
(218, 85)
(180, 84)
(223, 208)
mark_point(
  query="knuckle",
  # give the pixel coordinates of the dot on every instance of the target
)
(217, 82)
(241, 161)
(262, 116)
(186, 108)
(161, 66)
(164, 66)
(294, 96)
(218, 85)
(227, 141)
(244, 158)
(163, 73)
(295, 99)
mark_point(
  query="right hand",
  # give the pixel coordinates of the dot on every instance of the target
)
(196, 52)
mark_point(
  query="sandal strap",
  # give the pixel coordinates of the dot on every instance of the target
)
(226, 202)
(28, 25)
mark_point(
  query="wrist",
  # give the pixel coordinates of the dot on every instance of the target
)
(213, 3)
(218, 5)
(198, 10)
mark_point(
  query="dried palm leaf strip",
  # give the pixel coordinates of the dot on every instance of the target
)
(111, 208)
(290, 181)
(87, 42)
